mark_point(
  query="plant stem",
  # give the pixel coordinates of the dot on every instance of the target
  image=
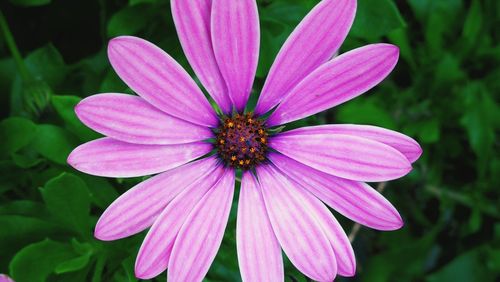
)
(11, 44)
(99, 267)
(356, 227)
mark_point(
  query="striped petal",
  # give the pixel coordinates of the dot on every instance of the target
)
(343, 78)
(236, 39)
(113, 158)
(344, 156)
(344, 254)
(355, 200)
(296, 226)
(406, 145)
(201, 235)
(160, 80)
(312, 43)
(138, 208)
(131, 119)
(192, 21)
(259, 253)
(154, 254)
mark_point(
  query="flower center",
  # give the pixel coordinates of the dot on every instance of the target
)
(242, 141)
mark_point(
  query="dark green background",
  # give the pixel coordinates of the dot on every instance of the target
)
(444, 92)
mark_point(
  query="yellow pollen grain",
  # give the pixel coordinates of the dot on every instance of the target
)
(242, 139)
(230, 124)
(252, 150)
(241, 162)
(263, 140)
(233, 158)
(244, 149)
(247, 161)
(222, 141)
(261, 131)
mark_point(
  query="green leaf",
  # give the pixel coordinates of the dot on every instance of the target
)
(375, 20)
(19, 230)
(24, 208)
(130, 20)
(68, 199)
(48, 64)
(464, 268)
(30, 3)
(73, 264)
(37, 261)
(54, 143)
(25, 160)
(136, 2)
(480, 119)
(473, 22)
(65, 108)
(16, 133)
(365, 111)
(102, 192)
(428, 131)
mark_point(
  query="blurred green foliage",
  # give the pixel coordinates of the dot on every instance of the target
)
(444, 93)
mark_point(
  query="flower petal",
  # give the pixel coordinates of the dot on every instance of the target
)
(131, 119)
(312, 43)
(236, 39)
(337, 81)
(138, 208)
(344, 254)
(159, 79)
(355, 200)
(154, 254)
(113, 158)
(406, 145)
(192, 21)
(344, 156)
(259, 253)
(201, 235)
(296, 226)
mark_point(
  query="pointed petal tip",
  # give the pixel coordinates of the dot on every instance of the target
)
(348, 273)
(100, 235)
(142, 273)
(141, 270)
(71, 159)
(418, 153)
(392, 223)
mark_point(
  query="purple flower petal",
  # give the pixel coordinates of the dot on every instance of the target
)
(259, 253)
(344, 254)
(192, 21)
(131, 119)
(155, 252)
(138, 208)
(201, 235)
(355, 200)
(312, 43)
(160, 80)
(337, 81)
(296, 226)
(113, 158)
(345, 156)
(406, 145)
(236, 39)
(5, 278)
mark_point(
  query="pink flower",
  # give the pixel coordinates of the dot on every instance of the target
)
(5, 278)
(165, 130)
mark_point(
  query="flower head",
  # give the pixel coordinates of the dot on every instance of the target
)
(170, 128)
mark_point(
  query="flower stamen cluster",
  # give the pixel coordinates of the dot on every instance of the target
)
(242, 141)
